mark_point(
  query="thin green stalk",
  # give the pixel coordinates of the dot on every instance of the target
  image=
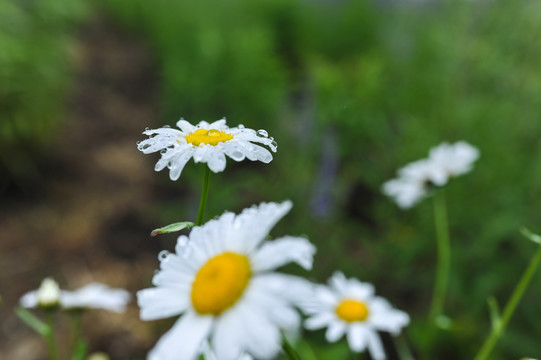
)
(444, 256)
(76, 320)
(288, 349)
(512, 304)
(50, 336)
(204, 195)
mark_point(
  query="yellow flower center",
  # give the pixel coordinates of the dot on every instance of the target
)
(211, 137)
(220, 283)
(352, 310)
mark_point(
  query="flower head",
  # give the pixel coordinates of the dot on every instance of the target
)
(47, 296)
(416, 179)
(206, 143)
(94, 295)
(221, 280)
(348, 306)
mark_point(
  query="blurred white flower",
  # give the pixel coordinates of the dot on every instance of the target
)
(453, 159)
(222, 280)
(416, 179)
(94, 295)
(349, 307)
(97, 296)
(47, 296)
(206, 143)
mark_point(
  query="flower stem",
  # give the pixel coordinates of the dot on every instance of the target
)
(50, 337)
(204, 195)
(512, 304)
(288, 349)
(76, 319)
(444, 256)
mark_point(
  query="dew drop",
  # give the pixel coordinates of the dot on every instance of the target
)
(274, 144)
(163, 151)
(167, 126)
(262, 133)
(241, 126)
(137, 143)
(214, 133)
(163, 255)
(147, 128)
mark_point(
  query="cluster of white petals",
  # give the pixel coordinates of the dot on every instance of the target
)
(93, 295)
(367, 314)
(444, 162)
(206, 143)
(221, 280)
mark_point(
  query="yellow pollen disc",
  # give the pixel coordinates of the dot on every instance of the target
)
(352, 310)
(220, 283)
(210, 137)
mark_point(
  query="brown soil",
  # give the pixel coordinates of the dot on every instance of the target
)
(84, 222)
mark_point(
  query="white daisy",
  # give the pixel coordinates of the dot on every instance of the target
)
(416, 179)
(94, 295)
(453, 159)
(206, 143)
(348, 306)
(221, 279)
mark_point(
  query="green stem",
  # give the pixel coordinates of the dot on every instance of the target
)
(512, 304)
(444, 256)
(76, 319)
(50, 337)
(204, 195)
(288, 349)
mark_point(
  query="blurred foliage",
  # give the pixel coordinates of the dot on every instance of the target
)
(34, 74)
(352, 90)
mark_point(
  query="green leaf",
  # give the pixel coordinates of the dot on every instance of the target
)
(494, 312)
(172, 228)
(39, 326)
(530, 235)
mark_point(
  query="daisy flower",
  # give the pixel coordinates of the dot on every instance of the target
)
(348, 306)
(416, 179)
(205, 143)
(94, 295)
(221, 280)
(46, 296)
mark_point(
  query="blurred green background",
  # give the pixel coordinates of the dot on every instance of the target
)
(351, 90)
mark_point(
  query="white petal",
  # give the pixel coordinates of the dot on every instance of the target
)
(281, 251)
(357, 337)
(375, 347)
(384, 317)
(218, 125)
(228, 335)
(30, 299)
(183, 341)
(335, 331)
(339, 283)
(319, 321)
(162, 302)
(217, 162)
(186, 127)
(254, 223)
(293, 289)
(176, 165)
(262, 337)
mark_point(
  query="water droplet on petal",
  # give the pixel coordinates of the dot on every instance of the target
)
(163, 255)
(262, 133)
(241, 126)
(147, 128)
(167, 126)
(274, 144)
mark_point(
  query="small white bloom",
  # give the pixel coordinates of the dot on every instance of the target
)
(406, 193)
(349, 307)
(47, 296)
(453, 159)
(416, 179)
(221, 280)
(206, 143)
(94, 295)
